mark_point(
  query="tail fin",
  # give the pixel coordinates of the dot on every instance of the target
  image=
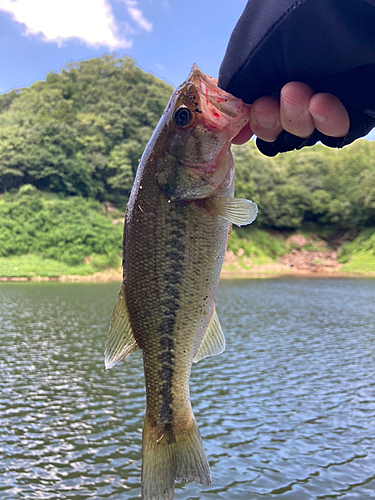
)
(176, 454)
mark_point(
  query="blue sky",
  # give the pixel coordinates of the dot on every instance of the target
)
(164, 37)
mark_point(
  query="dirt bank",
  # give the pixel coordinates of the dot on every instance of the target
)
(312, 261)
(297, 262)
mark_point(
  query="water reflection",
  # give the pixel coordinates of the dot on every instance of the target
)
(286, 412)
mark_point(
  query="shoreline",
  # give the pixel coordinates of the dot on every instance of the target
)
(318, 260)
(298, 263)
(268, 271)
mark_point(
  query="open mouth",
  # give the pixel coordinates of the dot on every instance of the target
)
(216, 99)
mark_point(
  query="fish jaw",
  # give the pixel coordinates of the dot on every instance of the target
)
(220, 110)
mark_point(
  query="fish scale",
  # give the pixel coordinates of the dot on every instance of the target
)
(184, 243)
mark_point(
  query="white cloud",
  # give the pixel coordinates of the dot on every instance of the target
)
(137, 15)
(91, 21)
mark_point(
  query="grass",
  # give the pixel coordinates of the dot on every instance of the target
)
(361, 263)
(32, 266)
(258, 244)
(358, 256)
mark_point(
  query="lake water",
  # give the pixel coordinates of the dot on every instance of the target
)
(286, 412)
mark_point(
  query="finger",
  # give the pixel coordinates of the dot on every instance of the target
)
(244, 136)
(265, 118)
(329, 115)
(295, 116)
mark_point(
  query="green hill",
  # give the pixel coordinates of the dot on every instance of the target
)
(82, 131)
(69, 150)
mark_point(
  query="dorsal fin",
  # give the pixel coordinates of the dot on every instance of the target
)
(213, 341)
(120, 340)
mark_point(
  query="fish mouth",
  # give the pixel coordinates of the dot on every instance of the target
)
(210, 93)
(196, 72)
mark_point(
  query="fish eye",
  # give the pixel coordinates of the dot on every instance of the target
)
(183, 116)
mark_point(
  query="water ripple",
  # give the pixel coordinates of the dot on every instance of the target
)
(286, 412)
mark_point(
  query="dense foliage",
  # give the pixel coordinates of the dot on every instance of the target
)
(81, 132)
(326, 186)
(69, 230)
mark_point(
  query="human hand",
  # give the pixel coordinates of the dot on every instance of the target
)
(299, 111)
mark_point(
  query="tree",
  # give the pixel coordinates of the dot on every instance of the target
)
(67, 134)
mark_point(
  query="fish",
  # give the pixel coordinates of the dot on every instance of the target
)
(176, 227)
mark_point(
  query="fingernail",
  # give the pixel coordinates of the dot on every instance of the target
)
(318, 118)
(264, 121)
(292, 109)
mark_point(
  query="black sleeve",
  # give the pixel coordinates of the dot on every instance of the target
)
(327, 44)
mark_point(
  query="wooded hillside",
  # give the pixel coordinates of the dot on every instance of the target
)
(77, 139)
(82, 131)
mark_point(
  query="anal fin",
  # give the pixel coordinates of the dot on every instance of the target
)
(120, 340)
(213, 341)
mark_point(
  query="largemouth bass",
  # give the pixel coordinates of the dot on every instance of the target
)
(176, 227)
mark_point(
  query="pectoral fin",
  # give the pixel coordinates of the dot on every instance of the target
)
(213, 341)
(236, 210)
(120, 340)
